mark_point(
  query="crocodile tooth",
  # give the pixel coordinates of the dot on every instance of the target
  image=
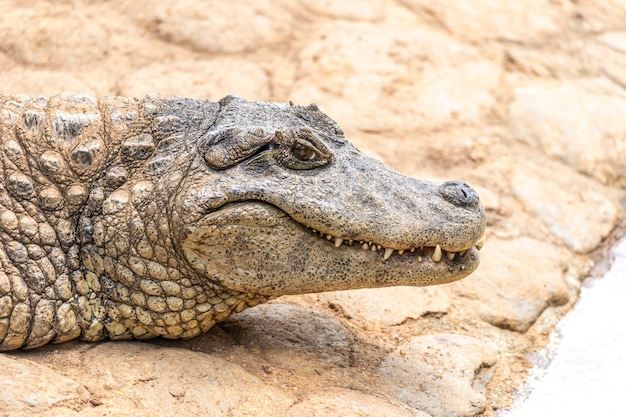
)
(379, 247)
(412, 250)
(481, 242)
(437, 254)
(338, 242)
(451, 255)
(419, 259)
(462, 253)
(387, 254)
(400, 252)
(314, 231)
(373, 248)
(365, 246)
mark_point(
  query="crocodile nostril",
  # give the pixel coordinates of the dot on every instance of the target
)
(458, 193)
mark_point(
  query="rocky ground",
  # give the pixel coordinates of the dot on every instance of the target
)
(523, 100)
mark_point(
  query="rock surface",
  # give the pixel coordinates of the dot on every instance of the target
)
(380, 308)
(524, 102)
(444, 374)
(579, 121)
(514, 300)
(292, 337)
(31, 388)
(592, 217)
(348, 403)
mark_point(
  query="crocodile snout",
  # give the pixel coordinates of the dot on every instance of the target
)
(459, 193)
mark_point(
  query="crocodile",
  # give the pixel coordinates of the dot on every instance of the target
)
(133, 218)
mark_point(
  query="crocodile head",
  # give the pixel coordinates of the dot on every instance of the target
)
(278, 202)
(135, 218)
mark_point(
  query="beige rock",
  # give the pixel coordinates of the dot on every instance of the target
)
(42, 37)
(444, 375)
(43, 82)
(566, 62)
(219, 27)
(376, 83)
(376, 308)
(213, 79)
(571, 206)
(595, 17)
(348, 403)
(615, 71)
(28, 388)
(508, 293)
(298, 338)
(508, 20)
(580, 122)
(614, 40)
(607, 53)
(366, 10)
(136, 377)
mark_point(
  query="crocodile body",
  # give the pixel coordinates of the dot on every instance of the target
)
(135, 218)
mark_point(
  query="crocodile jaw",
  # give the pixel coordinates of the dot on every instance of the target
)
(256, 248)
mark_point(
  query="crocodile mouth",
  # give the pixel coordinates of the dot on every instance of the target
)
(263, 216)
(421, 253)
(256, 247)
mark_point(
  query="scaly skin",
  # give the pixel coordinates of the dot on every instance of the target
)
(135, 218)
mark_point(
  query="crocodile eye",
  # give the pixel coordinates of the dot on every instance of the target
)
(293, 150)
(302, 151)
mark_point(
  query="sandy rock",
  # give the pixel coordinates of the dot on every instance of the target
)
(218, 27)
(508, 293)
(615, 69)
(44, 36)
(570, 205)
(580, 122)
(376, 83)
(457, 95)
(607, 52)
(348, 403)
(294, 337)
(367, 10)
(376, 308)
(152, 380)
(213, 79)
(43, 82)
(614, 40)
(509, 20)
(593, 17)
(444, 375)
(27, 388)
(532, 60)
